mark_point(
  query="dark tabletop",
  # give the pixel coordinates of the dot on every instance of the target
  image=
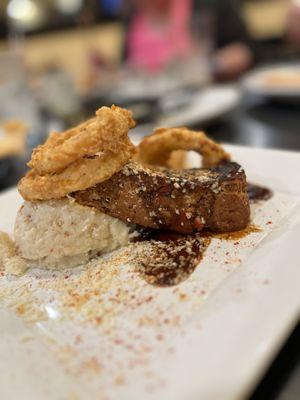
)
(258, 123)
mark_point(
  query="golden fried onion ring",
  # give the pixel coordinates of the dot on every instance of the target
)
(157, 148)
(177, 160)
(81, 157)
(81, 174)
(101, 133)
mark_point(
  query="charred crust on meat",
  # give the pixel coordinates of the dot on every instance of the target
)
(184, 201)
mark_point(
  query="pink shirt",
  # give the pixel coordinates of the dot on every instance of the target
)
(152, 45)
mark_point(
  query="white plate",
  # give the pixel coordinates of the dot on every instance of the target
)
(226, 335)
(211, 103)
(255, 82)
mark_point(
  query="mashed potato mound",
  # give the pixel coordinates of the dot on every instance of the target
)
(63, 234)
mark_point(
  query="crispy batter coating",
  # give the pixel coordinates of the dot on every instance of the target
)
(157, 148)
(81, 157)
(177, 160)
(95, 150)
(101, 133)
(81, 174)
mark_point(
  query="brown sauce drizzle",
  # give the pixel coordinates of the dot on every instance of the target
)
(236, 235)
(167, 258)
(257, 193)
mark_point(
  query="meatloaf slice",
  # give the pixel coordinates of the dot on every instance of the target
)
(184, 201)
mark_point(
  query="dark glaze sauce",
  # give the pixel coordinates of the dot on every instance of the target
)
(168, 258)
(257, 193)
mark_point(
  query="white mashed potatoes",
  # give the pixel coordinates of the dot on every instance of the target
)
(62, 233)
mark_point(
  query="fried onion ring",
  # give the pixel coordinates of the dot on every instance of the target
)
(81, 174)
(101, 133)
(177, 160)
(157, 148)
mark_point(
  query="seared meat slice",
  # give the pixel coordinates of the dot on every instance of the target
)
(183, 201)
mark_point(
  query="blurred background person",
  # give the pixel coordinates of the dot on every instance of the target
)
(234, 49)
(293, 23)
(159, 32)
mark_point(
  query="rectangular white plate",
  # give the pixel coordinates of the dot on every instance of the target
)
(211, 337)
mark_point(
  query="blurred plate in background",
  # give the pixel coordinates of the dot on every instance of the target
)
(279, 82)
(206, 105)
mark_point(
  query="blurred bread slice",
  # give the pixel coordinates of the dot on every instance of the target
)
(13, 135)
